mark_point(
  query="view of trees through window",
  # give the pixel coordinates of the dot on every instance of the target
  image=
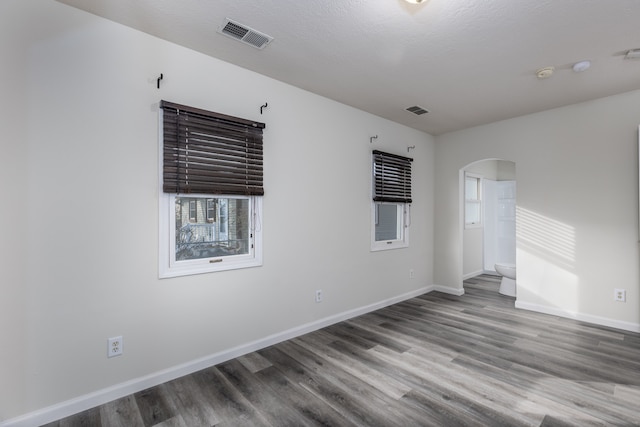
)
(209, 227)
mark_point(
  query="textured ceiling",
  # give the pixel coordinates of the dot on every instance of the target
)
(468, 62)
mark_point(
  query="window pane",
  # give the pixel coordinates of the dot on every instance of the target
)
(389, 221)
(211, 210)
(223, 215)
(472, 213)
(192, 210)
(471, 188)
(226, 234)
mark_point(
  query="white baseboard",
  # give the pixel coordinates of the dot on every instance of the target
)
(602, 321)
(448, 290)
(100, 397)
(474, 274)
(491, 273)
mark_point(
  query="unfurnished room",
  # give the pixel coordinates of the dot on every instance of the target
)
(334, 212)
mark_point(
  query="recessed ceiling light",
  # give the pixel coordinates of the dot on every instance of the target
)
(414, 1)
(581, 66)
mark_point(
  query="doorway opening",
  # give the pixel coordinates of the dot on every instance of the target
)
(488, 218)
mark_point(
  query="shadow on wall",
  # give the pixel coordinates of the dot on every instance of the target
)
(546, 261)
(546, 237)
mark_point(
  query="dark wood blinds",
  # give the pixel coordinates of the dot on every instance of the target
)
(210, 153)
(391, 178)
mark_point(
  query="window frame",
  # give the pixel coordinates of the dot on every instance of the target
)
(473, 201)
(402, 241)
(398, 186)
(168, 266)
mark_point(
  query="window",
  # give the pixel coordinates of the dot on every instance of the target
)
(193, 211)
(211, 210)
(391, 205)
(389, 221)
(472, 200)
(211, 193)
(230, 236)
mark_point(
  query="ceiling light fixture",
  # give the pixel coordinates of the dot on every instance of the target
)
(414, 1)
(581, 66)
(545, 73)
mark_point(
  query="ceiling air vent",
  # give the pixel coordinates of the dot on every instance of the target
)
(244, 34)
(417, 110)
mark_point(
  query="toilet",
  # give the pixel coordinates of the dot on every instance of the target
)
(508, 283)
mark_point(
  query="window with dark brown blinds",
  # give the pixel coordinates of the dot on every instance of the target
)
(391, 178)
(210, 153)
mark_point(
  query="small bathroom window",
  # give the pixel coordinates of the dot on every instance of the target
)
(472, 200)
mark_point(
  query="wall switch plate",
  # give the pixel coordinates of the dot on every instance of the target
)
(412, 274)
(319, 295)
(620, 295)
(114, 346)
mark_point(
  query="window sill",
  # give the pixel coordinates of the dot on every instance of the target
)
(203, 268)
(388, 245)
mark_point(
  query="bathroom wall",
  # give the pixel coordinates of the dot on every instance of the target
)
(489, 247)
(500, 223)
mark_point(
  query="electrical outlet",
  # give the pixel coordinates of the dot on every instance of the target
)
(412, 274)
(114, 346)
(620, 295)
(319, 295)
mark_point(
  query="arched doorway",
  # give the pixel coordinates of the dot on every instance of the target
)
(487, 206)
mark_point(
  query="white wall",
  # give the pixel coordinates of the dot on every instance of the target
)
(488, 246)
(486, 168)
(79, 253)
(506, 171)
(13, 179)
(577, 201)
(472, 259)
(500, 236)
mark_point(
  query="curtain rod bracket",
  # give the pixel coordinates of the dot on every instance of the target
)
(159, 78)
(372, 138)
(410, 148)
(263, 106)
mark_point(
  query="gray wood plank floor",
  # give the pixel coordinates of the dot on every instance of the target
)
(434, 360)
